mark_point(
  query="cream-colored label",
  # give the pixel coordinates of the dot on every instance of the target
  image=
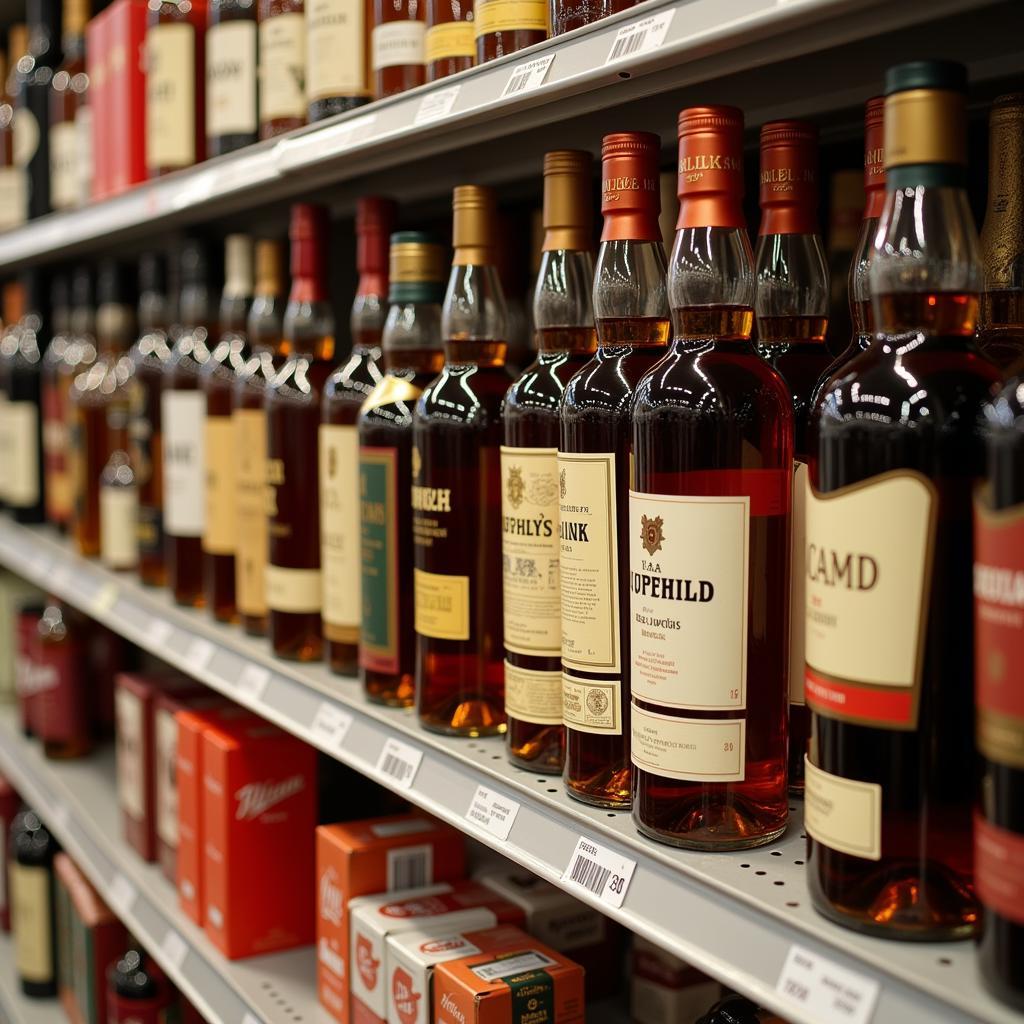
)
(688, 560)
(532, 696)
(220, 525)
(5, 449)
(31, 922)
(64, 157)
(21, 421)
(84, 159)
(13, 197)
(340, 530)
(250, 426)
(165, 758)
(182, 415)
(25, 141)
(293, 590)
(843, 814)
(119, 535)
(529, 542)
(589, 561)
(442, 605)
(592, 705)
(450, 39)
(231, 78)
(397, 43)
(170, 96)
(131, 740)
(510, 16)
(283, 66)
(337, 57)
(798, 584)
(698, 749)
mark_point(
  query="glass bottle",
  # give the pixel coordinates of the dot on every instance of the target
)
(137, 993)
(792, 318)
(456, 491)
(217, 376)
(294, 591)
(267, 346)
(504, 26)
(594, 458)
(343, 395)
(566, 15)
(450, 45)
(69, 86)
(231, 113)
(564, 321)
(412, 357)
(13, 181)
(63, 708)
(33, 920)
(282, 94)
(57, 484)
(709, 530)
(338, 56)
(889, 566)
(398, 46)
(13, 311)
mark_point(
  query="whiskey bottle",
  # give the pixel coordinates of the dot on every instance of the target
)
(62, 710)
(79, 355)
(217, 376)
(398, 46)
(149, 354)
(412, 357)
(282, 41)
(293, 417)
(709, 527)
(13, 182)
(504, 26)
(1001, 323)
(564, 321)
(266, 339)
(57, 484)
(32, 908)
(594, 474)
(231, 114)
(792, 317)
(456, 491)
(450, 45)
(69, 96)
(343, 396)
(338, 56)
(889, 550)
(182, 416)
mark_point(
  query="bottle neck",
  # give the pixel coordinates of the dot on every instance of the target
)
(474, 312)
(630, 294)
(114, 328)
(196, 305)
(234, 312)
(154, 312)
(264, 325)
(792, 293)
(369, 311)
(563, 294)
(859, 283)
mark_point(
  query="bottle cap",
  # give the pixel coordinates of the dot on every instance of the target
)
(237, 266)
(417, 268)
(152, 273)
(17, 43)
(630, 199)
(13, 302)
(926, 74)
(474, 215)
(75, 16)
(789, 178)
(269, 267)
(568, 174)
(375, 219)
(926, 119)
(710, 182)
(874, 156)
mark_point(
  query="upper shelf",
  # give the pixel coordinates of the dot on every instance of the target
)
(490, 129)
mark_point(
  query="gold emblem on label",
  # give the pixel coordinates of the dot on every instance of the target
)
(651, 534)
(516, 489)
(597, 703)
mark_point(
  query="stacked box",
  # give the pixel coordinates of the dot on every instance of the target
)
(665, 989)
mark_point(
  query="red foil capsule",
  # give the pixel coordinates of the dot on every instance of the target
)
(375, 218)
(789, 178)
(630, 197)
(710, 183)
(874, 157)
(308, 236)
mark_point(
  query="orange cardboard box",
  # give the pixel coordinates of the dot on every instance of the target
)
(529, 984)
(358, 858)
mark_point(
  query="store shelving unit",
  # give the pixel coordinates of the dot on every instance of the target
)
(16, 1008)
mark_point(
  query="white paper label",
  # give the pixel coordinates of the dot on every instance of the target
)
(340, 531)
(21, 421)
(170, 95)
(843, 814)
(175, 948)
(131, 754)
(13, 197)
(283, 66)
(400, 761)
(198, 655)
(337, 57)
(824, 991)
(698, 749)
(183, 415)
(640, 36)
(436, 105)
(64, 159)
(506, 967)
(119, 534)
(492, 812)
(252, 681)
(600, 871)
(83, 163)
(231, 78)
(398, 43)
(529, 76)
(330, 726)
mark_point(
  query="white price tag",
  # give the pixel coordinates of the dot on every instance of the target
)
(437, 105)
(248, 1018)
(106, 598)
(199, 653)
(528, 76)
(492, 812)
(640, 36)
(122, 895)
(824, 990)
(400, 761)
(60, 817)
(59, 578)
(600, 871)
(159, 632)
(331, 725)
(175, 948)
(253, 680)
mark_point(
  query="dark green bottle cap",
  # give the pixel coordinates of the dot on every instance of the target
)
(926, 74)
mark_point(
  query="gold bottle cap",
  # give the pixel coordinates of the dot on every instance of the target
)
(474, 216)
(926, 115)
(17, 43)
(269, 267)
(414, 258)
(568, 177)
(76, 16)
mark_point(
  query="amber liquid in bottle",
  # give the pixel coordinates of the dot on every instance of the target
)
(282, 47)
(449, 50)
(399, 61)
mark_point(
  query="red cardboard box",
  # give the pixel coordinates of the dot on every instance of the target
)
(96, 64)
(125, 97)
(358, 858)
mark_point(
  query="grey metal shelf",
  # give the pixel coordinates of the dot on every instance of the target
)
(15, 1007)
(736, 916)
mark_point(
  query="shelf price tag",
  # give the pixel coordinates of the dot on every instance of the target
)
(640, 36)
(199, 654)
(159, 632)
(492, 812)
(824, 990)
(331, 725)
(106, 598)
(175, 948)
(400, 761)
(61, 817)
(122, 895)
(529, 76)
(248, 1018)
(252, 681)
(437, 105)
(600, 871)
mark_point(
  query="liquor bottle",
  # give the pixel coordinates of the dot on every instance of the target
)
(566, 340)
(709, 527)
(846, 211)
(231, 114)
(450, 45)
(398, 46)
(999, 825)
(137, 993)
(79, 354)
(100, 400)
(62, 712)
(182, 416)
(282, 66)
(175, 86)
(594, 457)
(343, 396)
(889, 628)
(13, 310)
(69, 93)
(566, 15)
(1001, 326)
(792, 317)
(56, 480)
(13, 187)
(338, 56)
(217, 377)
(32, 908)
(150, 353)
(609, 7)
(266, 339)
(504, 26)
(456, 490)
(292, 404)
(412, 357)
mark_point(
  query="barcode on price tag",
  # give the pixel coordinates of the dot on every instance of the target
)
(105, 598)
(159, 632)
(599, 870)
(640, 36)
(122, 895)
(492, 812)
(253, 680)
(331, 725)
(437, 104)
(199, 653)
(400, 761)
(826, 991)
(528, 76)
(175, 948)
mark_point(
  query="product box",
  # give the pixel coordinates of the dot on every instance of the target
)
(441, 908)
(14, 593)
(530, 984)
(665, 989)
(412, 957)
(27, 680)
(258, 820)
(376, 855)
(124, 33)
(9, 805)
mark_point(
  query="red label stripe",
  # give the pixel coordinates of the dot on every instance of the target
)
(851, 700)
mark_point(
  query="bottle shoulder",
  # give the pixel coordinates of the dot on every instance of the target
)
(465, 393)
(608, 381)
